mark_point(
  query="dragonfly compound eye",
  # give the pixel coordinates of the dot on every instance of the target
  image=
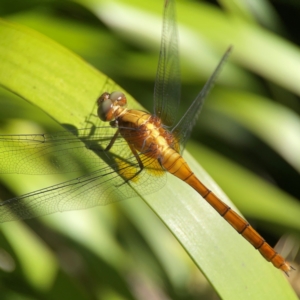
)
(119, 97)
(105, 104)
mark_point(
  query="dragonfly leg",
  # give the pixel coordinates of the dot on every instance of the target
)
(129, 176)
(134, 152)
(112, 141)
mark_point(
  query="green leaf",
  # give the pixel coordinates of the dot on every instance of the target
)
(275, 124)
(65, 87)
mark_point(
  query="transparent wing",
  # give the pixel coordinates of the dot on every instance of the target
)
(183, 128)
(167, 82)
(116, 176)
(59, 152)
(106, 185)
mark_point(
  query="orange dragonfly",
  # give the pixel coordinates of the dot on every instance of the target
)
(136, 150)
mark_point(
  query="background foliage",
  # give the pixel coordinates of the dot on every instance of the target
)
(247, 138)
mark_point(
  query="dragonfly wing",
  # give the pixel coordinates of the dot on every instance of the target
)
(167, 82)
(183, 128)
(59, 152)
(109, 184)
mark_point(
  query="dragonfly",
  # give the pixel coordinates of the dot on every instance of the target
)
(127, 153)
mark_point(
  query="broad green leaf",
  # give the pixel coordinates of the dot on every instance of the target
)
(65, 87)
(41, 270)
(275, 124)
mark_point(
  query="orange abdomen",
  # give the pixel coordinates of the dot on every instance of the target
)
(174, 163)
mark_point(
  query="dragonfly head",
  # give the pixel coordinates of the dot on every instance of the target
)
(109, 103)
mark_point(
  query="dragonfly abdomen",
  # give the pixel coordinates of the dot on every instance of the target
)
(247, 231)
(175, 164)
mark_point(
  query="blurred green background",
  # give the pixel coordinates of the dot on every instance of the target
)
(247, 138)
